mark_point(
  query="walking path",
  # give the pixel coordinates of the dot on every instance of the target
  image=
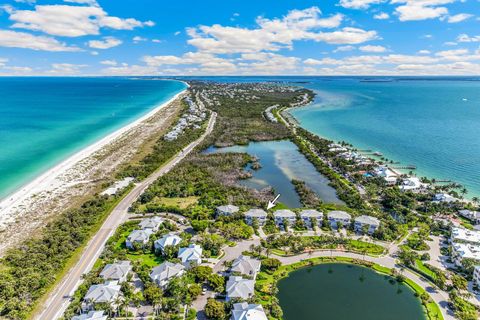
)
(58, 301)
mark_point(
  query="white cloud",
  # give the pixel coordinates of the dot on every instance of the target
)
(312, 62)
(344, 48)
(106, 43)
(70, 21)
(156, 40)
(459, 17)
(450, 43)
(466, 38)
(424, 52)
(358, 4)
(412, 10)
(66, 68)
(381, 16)
(109, 62)
(276, 34)
(138, 39)
(371, 48)
(24, 40)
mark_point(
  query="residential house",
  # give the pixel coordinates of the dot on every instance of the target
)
(412, 184)
(284, 214)
(246, 265)
(476, 276)
(308, 215)
(138, 236)
(465, 236)
(444, 198)
(106, 292)
(165, 241)
(462, 251)
(245, 311)
(258, 214)
(91, 315)
(227, 210)
(387, 174)
(116, 271)
(240, 288)
(335, 217)
(473, 216)
(153, 223)
(371, 223)
(163, 273)
(190, 255)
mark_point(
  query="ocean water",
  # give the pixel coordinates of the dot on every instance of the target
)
(45, 120)
(432, 123)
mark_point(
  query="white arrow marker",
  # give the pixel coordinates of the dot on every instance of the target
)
(271, 204)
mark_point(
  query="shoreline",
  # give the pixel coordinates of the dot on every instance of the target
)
(47, 180)
(416, 172)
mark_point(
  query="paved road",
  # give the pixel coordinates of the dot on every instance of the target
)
(59, 299)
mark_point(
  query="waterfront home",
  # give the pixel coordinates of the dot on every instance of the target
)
(165, 241)
(335, 217)
(465, 236)
(476, 276)
(190, 255)
(412, 184)
(308, 215)
(240, 288)
(370, 223)
(245, 311)
(153, 223)
(473, 216)
(246, 265)
(116, 271)
(138, 236)
(163, 273)
(117, 186)
(227, 210)
(462, 251)
(284, 214)
(91, 315)
(258, 214)
(444, 198)
(387, 174)
(106, 292)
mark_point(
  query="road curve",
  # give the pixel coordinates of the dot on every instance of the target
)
(58, 301)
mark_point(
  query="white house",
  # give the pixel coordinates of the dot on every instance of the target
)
(473, 216)
(246, 265)
(245, 311)
(91, 315)
(190, 255)
(153, 223)
(476, 276)
(334, 217)
(138, 236)
(387, 174)
(98, 293)
(117, 186)
(444, 198)
(227, 210)
(258, 214)
(237, 287)
(462, 251)
(308, 215)
(165, 241)
(163, 273)
(286, 214)
(465, 235)
(412, 184)
(371, 222)
(116, 271)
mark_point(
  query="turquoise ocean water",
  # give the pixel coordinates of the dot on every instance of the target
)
(45, 120)
(432, 123)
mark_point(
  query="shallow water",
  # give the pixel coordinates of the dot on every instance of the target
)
(281, 162)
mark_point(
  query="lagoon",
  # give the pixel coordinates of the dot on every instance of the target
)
(281, 162)
(346, 292)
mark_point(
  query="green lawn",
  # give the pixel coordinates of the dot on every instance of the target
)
(423, 269)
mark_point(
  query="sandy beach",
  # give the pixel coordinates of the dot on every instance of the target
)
(78, 175)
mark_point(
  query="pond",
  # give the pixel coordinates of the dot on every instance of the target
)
(281, 162)
(346, 292)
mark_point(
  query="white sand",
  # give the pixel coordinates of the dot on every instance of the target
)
(49, 180)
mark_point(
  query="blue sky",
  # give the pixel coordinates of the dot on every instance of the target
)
(261, 37)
